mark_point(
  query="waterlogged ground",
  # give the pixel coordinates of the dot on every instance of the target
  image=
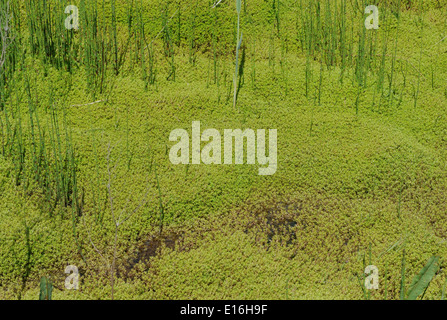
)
(351, 189)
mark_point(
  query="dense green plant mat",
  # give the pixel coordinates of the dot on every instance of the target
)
(85, 118)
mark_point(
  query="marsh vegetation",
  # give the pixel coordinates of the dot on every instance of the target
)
(361, 120)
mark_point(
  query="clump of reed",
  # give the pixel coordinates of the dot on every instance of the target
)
(48, 37)
(333, 34)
